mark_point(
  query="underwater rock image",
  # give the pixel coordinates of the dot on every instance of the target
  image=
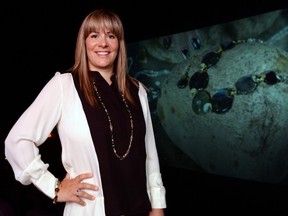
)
(247, 141)
(218, 96)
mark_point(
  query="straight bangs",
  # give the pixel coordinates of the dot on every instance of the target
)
(107, 21)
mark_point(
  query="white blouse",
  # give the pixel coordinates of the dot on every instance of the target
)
(58, 104)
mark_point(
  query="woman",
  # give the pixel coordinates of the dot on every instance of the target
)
(103, 120)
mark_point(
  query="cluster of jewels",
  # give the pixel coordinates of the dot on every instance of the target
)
(222, 100)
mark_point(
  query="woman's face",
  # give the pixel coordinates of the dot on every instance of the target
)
(102, 50)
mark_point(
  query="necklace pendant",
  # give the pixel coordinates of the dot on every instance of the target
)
(222, 101)
(211, 58)
(199, 80)
(271, 78)
(246, 85)
(201, 103)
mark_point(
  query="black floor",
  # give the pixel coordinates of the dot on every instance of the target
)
(191, 191)
(188, 193)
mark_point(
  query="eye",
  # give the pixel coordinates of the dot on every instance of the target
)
(93, 35)
(111, 36)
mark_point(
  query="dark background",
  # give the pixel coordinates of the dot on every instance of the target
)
(37, 39)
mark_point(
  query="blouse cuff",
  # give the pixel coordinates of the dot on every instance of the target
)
(156, 191)
(41, 177)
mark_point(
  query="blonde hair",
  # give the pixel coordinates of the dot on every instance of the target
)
(102, 19)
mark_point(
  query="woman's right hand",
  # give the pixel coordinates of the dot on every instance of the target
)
(71, 190)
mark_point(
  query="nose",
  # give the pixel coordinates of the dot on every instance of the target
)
(103, 41)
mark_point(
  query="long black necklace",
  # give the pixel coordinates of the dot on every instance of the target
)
(121, 157)
(222, 101)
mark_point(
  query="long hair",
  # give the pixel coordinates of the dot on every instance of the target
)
(93, 22)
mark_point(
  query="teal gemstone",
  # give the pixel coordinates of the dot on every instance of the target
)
(222, 101)
(201, 103)
(246, 85)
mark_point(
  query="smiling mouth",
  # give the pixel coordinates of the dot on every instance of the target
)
(103, 53)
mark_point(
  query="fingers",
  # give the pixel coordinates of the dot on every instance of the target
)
(82, 194)
(83, 185)
(88, 186)
(78, 198)
(74, 190)
(83, 176)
